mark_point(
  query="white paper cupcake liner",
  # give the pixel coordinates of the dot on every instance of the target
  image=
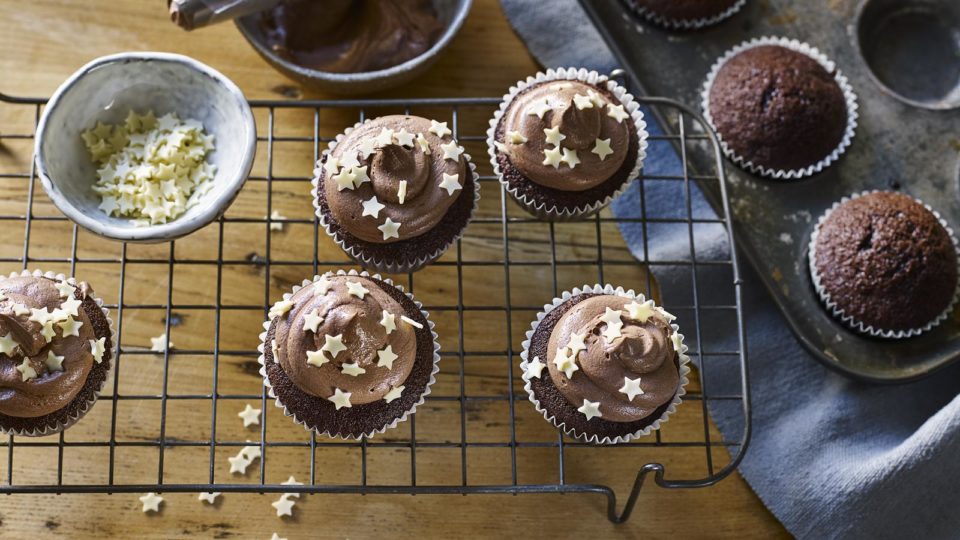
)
(357, 252)
(684, 24)
(554, 213)
(608, 289)
(51, 429)
(848, 94)
(848, 319)
(433, 374)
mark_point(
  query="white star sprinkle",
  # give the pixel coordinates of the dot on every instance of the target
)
(385, 137)
(583, 102)
(614, 325)
(677, 340)
(611, 316)
(345, 179)
(41, 316)
(48, 332)
(97, 348)
(55, 363)
(332, 166)
(70, 327)
(565, 362)
(251, 452)
(321, 286)
(66, 290)
(151, 502)
(349, 161)
(411, 322)
(8, 345)
(367, 147)
(553, 136)
(570, 157)
(402, 191)
(439, 129)
(617, 113)
(393, 394)
(316, 358)
(277, 536)
(292, 482)
(388, 321)
(19, 309)
(276, 223)
(26, 370)
(450, 183)
(552, 156)
(251, 416)
(596, 98)
(340, 399)
(640, 312)
(602, 148)
(576, 344)
(239, 464)
(311, 321)
(353, 369)
(279, 309)
(424, 144)
(160, 343)
(538, 108)
(209, 497)
(359, 176)
(333, 345)
(631, 387)
(535, 367)
(357, 289)
(390, 229)
(404, 138)
(590, 409)
(515, 137)
(665, 314)
(71, 306)
(284, 506)
(386, 357)
(451, 151)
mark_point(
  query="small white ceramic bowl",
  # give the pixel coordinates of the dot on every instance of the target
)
(105, 90)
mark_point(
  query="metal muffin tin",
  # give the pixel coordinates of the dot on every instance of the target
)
(908, 139)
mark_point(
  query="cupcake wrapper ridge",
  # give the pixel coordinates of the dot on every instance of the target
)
(685, 24)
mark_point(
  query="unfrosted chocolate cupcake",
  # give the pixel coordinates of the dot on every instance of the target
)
(565, 142)
(348, 355)
(395, 192)
(778, 110)
(885, 264)
(55, 347)
(605, 366)
(686, 14)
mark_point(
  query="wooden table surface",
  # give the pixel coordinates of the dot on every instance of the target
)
(41, 43)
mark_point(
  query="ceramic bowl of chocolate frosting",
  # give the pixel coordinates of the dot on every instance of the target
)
(354, 46)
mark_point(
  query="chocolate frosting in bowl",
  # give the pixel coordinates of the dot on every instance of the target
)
(362, 368)
(47, 345)
(611, 360)
(587, 121)
(388, 157)
(351, 36)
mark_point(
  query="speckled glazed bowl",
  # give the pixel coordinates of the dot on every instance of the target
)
(105, 90)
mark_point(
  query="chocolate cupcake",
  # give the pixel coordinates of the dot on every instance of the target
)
(885, 264)
(395, 192)
(55, 350)
(780, 108)
(566, 142)
(605, 365)
(685, 14)
(348, 355)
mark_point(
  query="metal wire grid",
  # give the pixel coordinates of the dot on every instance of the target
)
(515, 399)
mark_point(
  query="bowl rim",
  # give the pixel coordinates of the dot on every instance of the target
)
(459, 16)
(151, 233)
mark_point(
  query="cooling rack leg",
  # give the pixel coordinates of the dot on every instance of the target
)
(623, 516)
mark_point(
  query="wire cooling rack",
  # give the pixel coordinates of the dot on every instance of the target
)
(166, 422)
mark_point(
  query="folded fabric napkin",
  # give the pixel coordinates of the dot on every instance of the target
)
(830, 457)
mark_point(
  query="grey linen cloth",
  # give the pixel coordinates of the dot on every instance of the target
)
(830, 457)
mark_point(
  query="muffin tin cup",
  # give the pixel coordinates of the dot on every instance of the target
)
(433, 374)
(608, 289)
(51, 429)
(540, 210)
(850, 98)
(684, 24)
(357, 253)
(849, 320)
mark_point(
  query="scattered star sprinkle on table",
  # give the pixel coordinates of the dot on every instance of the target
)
(209, 497)
(251, 416)
(160, 343)
(239, 463)
(284, 505)
(276, 223)
(276, 537)
(151, 502)
(292, 482)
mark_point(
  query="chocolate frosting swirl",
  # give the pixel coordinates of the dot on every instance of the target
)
(580, 127)
(51, 390)
(358, 322)
(425, 202)
(643, 350)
